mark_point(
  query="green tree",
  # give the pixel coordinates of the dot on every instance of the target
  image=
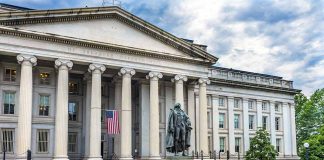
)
(316, 146)
(260, 147)
(309, 117)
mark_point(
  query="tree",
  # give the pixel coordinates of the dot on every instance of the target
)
(260, 147)
(309, 117)
(316, 146)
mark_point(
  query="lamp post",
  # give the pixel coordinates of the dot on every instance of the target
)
(306, 145)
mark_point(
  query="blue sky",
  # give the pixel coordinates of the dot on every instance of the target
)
(283, 38)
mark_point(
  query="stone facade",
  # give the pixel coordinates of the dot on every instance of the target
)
(73, 64)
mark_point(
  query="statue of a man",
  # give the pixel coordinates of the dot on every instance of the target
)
(179, 129)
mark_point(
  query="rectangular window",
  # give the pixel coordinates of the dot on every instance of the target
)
(42, 140)
(264, 122)
(221, 102)
(277, 107)
(209, 120)
(73, 88)
(221, 120)
(9, 103)
(222, 144)
(103, 114)
(210, 145)
(8, 140)
(236, 103)
(236, 121)
(278, 142)
(237, 144)
(44, 105)
(73, 107)
(10, 75)
(277, 120)
(73, 139)
(250, 104)
(251, 121)
(209, 100)
(264, 106)
(44, 78)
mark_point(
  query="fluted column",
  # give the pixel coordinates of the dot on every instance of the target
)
(87, 78)
(126, 113)
(287, 129)
(293, 130)
(25, 105)
(154, 114)
(61, 115)
(95, 111)
(179, 79)
(246, 134)
(203, 130)
(215, 123)
(230, 125)
(272, 123)
(259, 113)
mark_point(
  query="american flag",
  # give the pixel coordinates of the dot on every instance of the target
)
(112, 122)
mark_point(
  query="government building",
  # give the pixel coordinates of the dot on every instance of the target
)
(61, 69)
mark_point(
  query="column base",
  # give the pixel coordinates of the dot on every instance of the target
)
(124, 158)
(93, 158)
(61, 158)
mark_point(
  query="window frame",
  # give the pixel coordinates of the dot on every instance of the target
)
(46, 80)
(237, 145)
(73, 143)
(277, 123)
(221, 102)
(12, 145)
(236, 103)
(46, 107)
(219, 120)
(265, 123)
(251, 128)
(46, 143)
(222, 144)
(250, 104)
(10, 103)
(237, 121)
(76, 111)
(10, 74)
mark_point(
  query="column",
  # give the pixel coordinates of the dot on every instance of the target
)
(203, 129)
(230, 124)
(246, 134)
(87, 78)
(259, 113)
(191, 114)
(215, 116)
(126, 113)
(117, 103)
(144, 101)
(154, 114)
(61, 114)
(293, 130)
(286, 129)
(272, 123)
(96, 71)
(179, 79)
(25, 105)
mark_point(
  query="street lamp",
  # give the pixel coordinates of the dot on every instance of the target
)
(306, 145)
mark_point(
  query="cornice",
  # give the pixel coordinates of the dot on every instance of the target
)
(253, 86)
(97, 45)
(63, 15)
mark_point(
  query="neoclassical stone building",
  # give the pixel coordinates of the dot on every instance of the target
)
(61, 69)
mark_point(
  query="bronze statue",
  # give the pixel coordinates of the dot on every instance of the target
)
(179, 129)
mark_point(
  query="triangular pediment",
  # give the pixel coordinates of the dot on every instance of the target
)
(109, 25)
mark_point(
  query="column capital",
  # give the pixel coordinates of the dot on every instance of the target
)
(63, 62)
(179, 77)
(23, 57)
(203, 81)
(126, 71)
(95, 66)
(154, 75)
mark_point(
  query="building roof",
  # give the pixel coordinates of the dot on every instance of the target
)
(13, 7)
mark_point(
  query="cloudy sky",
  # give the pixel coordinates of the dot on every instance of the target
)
(279, 37)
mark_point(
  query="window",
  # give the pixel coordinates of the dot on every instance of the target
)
(237, 144)
(221, 120)
(278, 142)
(264, 106)
(103, 114)
(73, 111)
(236, 103)
(44, 78)
(251, 121)
(277, 107)
(236, 121)
(209, 120)
(7, 140)
(210, 144)
(277, 120)
(73, 139)
(73, 88)
(10, 75)
(221, 102)
(42, 140)
(250, 104)
(9, 103)
(264, 122)
(222, 144)
(43, 105)
(209, 100)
